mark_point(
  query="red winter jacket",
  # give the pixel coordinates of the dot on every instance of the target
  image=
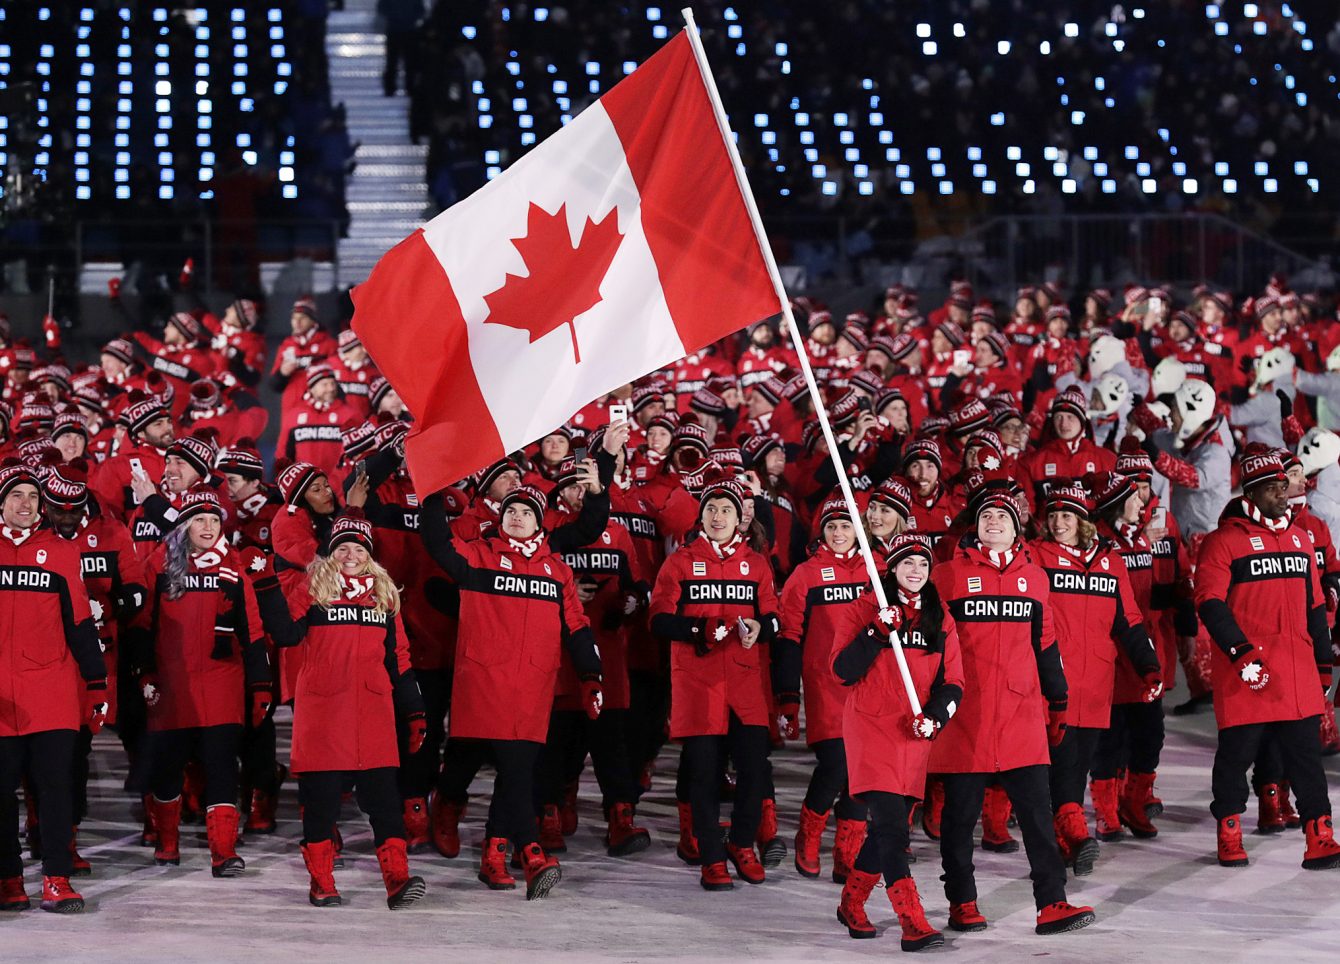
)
(47, 637)
(882, 753)
(1096, 618)
(314, 433)
(201, 674)
(814, 601)
(516, 614)
(114, 578)
(1259, 588)
(696, 590)
(110, 482)
(1059, 460)
(1011, 662)
(933, 517)
(354, 677)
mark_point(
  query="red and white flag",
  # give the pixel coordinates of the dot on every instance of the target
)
(615, 247)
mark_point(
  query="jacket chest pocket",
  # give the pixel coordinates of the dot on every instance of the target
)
(42, 649)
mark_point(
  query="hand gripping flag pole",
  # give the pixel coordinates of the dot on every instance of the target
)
(870, 565)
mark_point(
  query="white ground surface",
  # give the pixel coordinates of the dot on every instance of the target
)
(1164, 899)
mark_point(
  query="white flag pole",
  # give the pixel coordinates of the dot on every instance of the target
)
(870, 566)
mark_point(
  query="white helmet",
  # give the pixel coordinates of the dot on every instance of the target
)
(1110, 394)
(1333, 360)
(1168, 376)
(1195, 400)
(1274, 364)
(1318, 449)
(1105, 354)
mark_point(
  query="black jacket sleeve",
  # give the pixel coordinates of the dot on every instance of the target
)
(1135, 641)
(944, 699)
(279, 623)
(1051, 676)
(581, 647)
(787, 664)
(854, 660)
(435, 531)
(1221, 625)
(82, 638)
(587, 527)
(405, 691)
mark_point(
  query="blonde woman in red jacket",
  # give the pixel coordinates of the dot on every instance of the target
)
(888, 748)
(355, 676)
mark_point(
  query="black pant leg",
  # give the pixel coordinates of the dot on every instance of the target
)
(1269, 765)
(378, 794)
(319, 794)
(217, 748)
(13, 750)
(753, 779)
(512, 811)
(829, 777)
(1146, 735)
(1109, 755)
(1228, 778)
(259, 754)
(83, 747)
(963, 806)
(606, 736)
(885, 848)
(419, 771)
(168, 752)
(1070, 765)
(50, 759)
(460, 764)
(1031, 797)
(1299, 743)
(702, 757)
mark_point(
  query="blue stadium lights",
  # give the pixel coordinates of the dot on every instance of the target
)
(894, 154)
(785, 192)
(876, 120)
(929, 49)
(886, 137)
(1249, 10)
(469, 32)
(1118, 45)
(525, 121)
(932, 153)
(629, 66)
(1003, 47)
(1100, 169)
(1045, 48)
(1259, 28)
(1270, 186)
(819, 172)
(1149, 185)
(1189, 186)
(239, 14)
(1110, 29)
(760, 120)
(807, 137)
(594, 86)
(802, 119)
(730, 14)
(1013, 152)
(830, 188)
(1022, 169)
(979, 171)
(1313, 183)
(937, 170)
(861, 170)
(1179, 169)
(866, 188)
(1300, 168)
(483, 105)
(946, 187)
(902, 171)
(659, 32)
(1059, 169)
(1050, 153)
(907, 187)
(1306, 44)
(1301, 98)
(1221, 29)
(1109, 186)
(1230, 186)
(1090, 153)
(592, 68)
(1212, 11)
(998, 120)
(1132, 152)
(846, 137)
(988, 187)
(811, 155)
(1261, 168)
(653, 13)
(1029, 187)
(1142, 169)
(974, 153)
(541, 14)
(1065, 100)
(735, 31)
(1072, 30)
(840, 119)
(960, 31)
(1068, 186)
(1099, 83)
(1077, 118)
(485, 121)
(851, 155)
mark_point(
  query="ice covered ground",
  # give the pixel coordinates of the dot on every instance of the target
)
(1164, 899)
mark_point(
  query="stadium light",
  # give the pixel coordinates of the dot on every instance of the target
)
(988, 187)
(1189, 186)
(1003, 47)
(907, 187)
(998, 120)
(1109, 186)
(1068, 186)
(929, 49)
(1149, 185)
(1230, 186)
(1270, 186)
(923, 30)
(1100, 169)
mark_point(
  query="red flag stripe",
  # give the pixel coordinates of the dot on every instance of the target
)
(695, 219)
(429, 364)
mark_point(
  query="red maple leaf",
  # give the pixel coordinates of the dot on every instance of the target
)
(563, 281)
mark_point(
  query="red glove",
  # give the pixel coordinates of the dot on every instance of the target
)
(788, 718)
(714, 633)
(888, 620)
(95, 705)
(1250, 665)
(187, 273)
(113, 288)
(261, 699)
(1327, 676)
(1134, 356)
(1153, 686)
(418, 732)
(1056, 725)
(149, 686)
(51, 330)
(593, 698)
(925, 727)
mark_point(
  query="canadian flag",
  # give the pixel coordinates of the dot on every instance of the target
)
(618, 245)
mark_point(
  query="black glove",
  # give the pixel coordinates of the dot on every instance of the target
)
(1246, 364)
(1238, 395)
(1286, 403)
(1152, 450)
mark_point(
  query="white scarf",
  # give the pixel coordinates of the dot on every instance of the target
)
(527, 547)
(17, 536)
(356, 586)
(725, 550)
(211, 557)
(1274, 525)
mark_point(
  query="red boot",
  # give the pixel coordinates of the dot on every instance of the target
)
(747, 866)
(193, 793)
(493, 865)
(80, 866)
(1072, 829)
(221, 828)
(687, 850)
(715, 876)
(148, 836)
(416, 824)
(771, 847)
(917, 931)
(624, 837)
(1269, 816)
(551, 830)
(568, 810)
(933, 807)
(1291, 819)
(809, 839)
(401, 889)
(167, 824)
(1106, 811)
(851, 908)
(1322, 853)
(542, 871)
(59, 897)
(12, 895)
(445, 820)
(1330, 735)
(261, 819)
(320, 860)
(966, 918)
(996, 822)
(1231, 852)
(1060, 917)
(1153, 805)
(1133, 802)
(846, 845)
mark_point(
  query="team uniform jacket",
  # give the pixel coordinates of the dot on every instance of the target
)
(1096, 617)
(306, 349)
(110, 482)
(355, 384)
(205, 646)
(255, 517)
(934, 517)
(1059, 461)
(710, 679)
(882, 753)
(1011, 662)
(180, 365)
(114, 578)
(815, 600)
(313, 432)
(355, 675)
(516, 614)
(47, 636)
(1258, 586)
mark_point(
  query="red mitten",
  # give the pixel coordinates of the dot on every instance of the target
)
(788, 717)
(418, 732)
(889, 620)
(113, 288)
(925, 727)
(1249, 663)
(1153, 686)
(95, 705)
(1134, 357)
(261, 698)
(593, 698)
(187, 273)
(1056, 725)
(51, 331)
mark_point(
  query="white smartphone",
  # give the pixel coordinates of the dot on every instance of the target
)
(1160, 517)
(962, 356)
(618, 413)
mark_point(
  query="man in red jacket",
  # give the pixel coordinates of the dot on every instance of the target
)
(1069, 454)
(52, 682)
(1259, 595)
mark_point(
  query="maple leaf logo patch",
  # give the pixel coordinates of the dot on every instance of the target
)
(563, 281)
